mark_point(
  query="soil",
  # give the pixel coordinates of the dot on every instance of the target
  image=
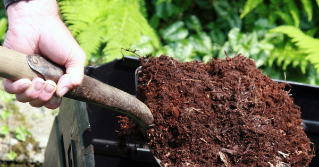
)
(223, 113)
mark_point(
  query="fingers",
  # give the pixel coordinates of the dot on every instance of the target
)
(16, 87)
(38, 92)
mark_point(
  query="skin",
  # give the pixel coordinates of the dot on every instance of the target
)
(36, 28)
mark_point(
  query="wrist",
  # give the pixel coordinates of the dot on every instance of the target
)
(33, 8)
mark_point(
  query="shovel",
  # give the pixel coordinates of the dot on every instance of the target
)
(15, 65)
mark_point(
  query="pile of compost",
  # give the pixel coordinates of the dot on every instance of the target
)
(223, 113)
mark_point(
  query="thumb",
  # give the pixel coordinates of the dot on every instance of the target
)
(74, 73)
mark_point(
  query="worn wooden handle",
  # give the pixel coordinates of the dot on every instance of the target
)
(14, 66)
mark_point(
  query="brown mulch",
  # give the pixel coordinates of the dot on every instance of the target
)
(223, 113)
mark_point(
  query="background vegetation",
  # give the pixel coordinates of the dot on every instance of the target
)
(280, 35)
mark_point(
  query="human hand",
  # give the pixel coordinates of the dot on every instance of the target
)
(36, 28)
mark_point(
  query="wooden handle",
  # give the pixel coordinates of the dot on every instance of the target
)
(14, 65)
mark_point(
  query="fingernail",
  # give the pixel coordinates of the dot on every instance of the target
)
(55, 99)
(25, 86)
(38, 85)
(49, 88)
(63, 91)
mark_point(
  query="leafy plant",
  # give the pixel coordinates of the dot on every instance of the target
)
(4, 130)
(109, 24)
(4, 114)
(22, 133)
(11, 155)
(6, 97)
(307, 45)
(289, 6)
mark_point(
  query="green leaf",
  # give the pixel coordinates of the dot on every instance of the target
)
(3, 26)
(201, 43)
(182, 50)
(154, 21)
(175, 32)
(164, 10)
(6, 97)
(193, 23)
(11, 155)
(4, 130)
(307, 6)
(22, 133)
(285, 17)
(217, 36)
(294, 12)
(249, 6)
(317, 2)
(4, 114)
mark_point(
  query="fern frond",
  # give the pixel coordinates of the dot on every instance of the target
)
(307, 6)
(142, 7)
(126, 30)
(116, 23)
(306, 44)
(288, 55)
(285, 17)
(249, 6)
(293, 10)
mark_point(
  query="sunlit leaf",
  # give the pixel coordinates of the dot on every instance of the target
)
(3, 26)
(4, 130)
(4, 114)
(6, 97)
(22, 133)
(249, 6)
(294, 11)
(307, 44)
(307, 6)
(11, 155)
(285, 17)
(193, 23)
(201, 43)
(175, 32)
(182, 50)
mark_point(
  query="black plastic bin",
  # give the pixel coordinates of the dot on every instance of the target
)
(85, 135)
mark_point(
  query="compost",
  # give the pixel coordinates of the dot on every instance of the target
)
(223, 113)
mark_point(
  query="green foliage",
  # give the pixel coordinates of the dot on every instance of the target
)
(3, 28)
(307, 5)
(112, 23)
(248, 45)
(4, 114)
(306, 44)
(294, 12)
(201, 29)
(22, 133)
(249, 6)
(4, 130)
(6, 97)
(11, 155)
